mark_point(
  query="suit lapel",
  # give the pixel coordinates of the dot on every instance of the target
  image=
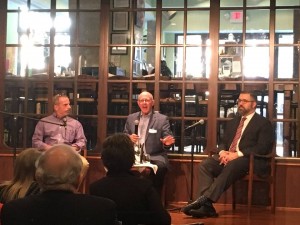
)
(150, 124)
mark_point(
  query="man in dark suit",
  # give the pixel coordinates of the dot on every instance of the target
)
(58, 173)
(249, 132)
(153, 133)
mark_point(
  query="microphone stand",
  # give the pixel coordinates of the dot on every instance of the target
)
(192, 164)
(15, 128)
(193, 139)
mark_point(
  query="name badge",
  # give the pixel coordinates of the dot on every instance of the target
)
(152, 131)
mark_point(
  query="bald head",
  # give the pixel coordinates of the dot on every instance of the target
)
(59, 168)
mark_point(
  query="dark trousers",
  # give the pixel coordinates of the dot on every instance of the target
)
(214, 178)
(159, 178)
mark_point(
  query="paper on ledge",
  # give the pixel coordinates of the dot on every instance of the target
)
(146, 164)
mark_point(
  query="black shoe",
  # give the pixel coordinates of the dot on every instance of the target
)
(194, 205)
(205, 211)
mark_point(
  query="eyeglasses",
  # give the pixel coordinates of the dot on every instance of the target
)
(145, 100)
(243, 101)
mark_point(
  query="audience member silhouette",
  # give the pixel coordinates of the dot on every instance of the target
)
(23, 182)
(137, 200)
(58, 174)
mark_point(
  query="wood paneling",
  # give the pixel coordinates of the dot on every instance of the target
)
(178, 181)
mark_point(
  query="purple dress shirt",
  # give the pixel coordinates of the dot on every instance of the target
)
(70, 132)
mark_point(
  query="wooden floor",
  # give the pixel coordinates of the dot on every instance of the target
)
(258, 216)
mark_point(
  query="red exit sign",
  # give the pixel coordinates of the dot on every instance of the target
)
(236, 17)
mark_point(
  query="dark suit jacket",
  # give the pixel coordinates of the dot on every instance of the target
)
(158, 127)
(137, 201)
(258, 137)
(59, 208)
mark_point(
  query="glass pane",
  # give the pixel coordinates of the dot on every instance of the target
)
(287, 31)
(173, 4)
(194, 137)
(255, 3)
(195, 56)
(228, 93)
(63, 61)
(89, 25)
(175, 60)
(90, 131)
(28, 28)
(261, 91)
(118, 99)
(287, 3)
(14, 94)
(144, 62)
(286, 101)
(145, 27)
(230, 65)
(40, 4)
(231, 27)
(171, 25)
(86, 97)
(231, 3)
(115, 126)
(258, 24)
(168, 62)
(148, 3)
(13, 4)
(286, 139)
(202, 95)
(90, 4)
(88, 61)
(27, 61)
(198, 4)
(12, 37)
(12, 67)
(71, 69)
(65, 28)
(256, 62)
(13, 135)
(119, 64)
(63, 4)
(175, 126)
(201, 28)
(170, 99)
(286, 65)
(120, 21)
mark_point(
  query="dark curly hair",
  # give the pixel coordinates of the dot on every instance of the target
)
(118, 153)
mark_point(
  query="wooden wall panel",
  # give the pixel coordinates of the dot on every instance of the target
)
(178, 181)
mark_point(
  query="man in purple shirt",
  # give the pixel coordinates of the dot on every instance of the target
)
(59, 128)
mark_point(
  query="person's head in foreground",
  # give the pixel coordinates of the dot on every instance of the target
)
(59, 169)
(118, 153)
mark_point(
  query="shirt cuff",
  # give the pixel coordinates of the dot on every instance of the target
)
(240, 154)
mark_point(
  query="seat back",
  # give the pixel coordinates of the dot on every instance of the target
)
(251, 177)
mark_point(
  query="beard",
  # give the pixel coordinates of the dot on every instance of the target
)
(242, 111)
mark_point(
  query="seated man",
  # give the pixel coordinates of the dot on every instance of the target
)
(249, 132)
(59, 128)
(58, 173)
(137, 201)
(151, 130)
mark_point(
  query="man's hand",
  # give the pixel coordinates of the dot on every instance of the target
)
(168, 140)
(134, 138)
(226, 156)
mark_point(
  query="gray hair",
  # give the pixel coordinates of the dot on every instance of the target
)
(59, 168)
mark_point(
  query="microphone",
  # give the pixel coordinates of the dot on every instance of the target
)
(136, 126)
(195, 124)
